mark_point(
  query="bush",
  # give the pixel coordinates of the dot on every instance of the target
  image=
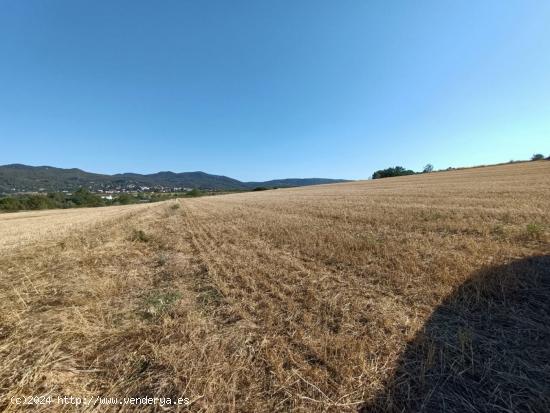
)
(10, 204)
(389, 172)
(58, 198)
(126, 199)
(194, 192)
(84, 198)
(36, 202)
(30, 202)
(81, 198)
(537, 157)
(260, 188)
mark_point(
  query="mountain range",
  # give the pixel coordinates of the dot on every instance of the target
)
(15, 178)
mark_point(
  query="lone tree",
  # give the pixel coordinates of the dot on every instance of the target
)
(537, 157)
(428, 168)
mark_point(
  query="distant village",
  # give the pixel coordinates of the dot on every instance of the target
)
(91, 195)
(107, 191)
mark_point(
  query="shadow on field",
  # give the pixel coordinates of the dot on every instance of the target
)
(485, 349)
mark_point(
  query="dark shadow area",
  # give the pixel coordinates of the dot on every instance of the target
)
(485, 349)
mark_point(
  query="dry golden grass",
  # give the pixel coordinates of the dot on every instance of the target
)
(20, 228)
(418, 293)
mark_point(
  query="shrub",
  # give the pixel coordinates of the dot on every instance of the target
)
(126, 199)
(38, 202)
(194, 192)
(10, 204)
(85, 198)
(537, 157)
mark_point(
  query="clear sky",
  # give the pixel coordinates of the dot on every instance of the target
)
(271, 89)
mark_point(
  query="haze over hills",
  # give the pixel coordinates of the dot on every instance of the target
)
(16, 178)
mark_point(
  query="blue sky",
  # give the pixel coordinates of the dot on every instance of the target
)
(270, 89)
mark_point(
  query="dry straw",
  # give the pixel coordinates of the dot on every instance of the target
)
(424, 292)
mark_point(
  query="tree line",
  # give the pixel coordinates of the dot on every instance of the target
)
(401, 171)
(79, 199)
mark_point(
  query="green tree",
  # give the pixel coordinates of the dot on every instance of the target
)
(84, 198)
(194, 192)
(126, 199)
(36, 202)
(10, 204)
(389, 172)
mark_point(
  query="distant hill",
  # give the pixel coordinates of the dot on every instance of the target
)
(197, 179)
(19, 178)
(23, 178)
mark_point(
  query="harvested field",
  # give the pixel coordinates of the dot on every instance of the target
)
(420, 293)
(20, 228)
